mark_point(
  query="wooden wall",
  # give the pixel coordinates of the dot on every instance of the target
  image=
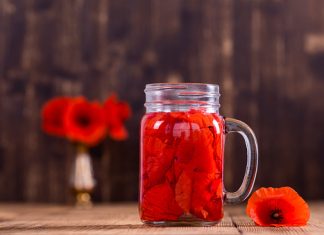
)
(266, 55)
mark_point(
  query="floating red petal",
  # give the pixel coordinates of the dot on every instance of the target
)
(182, 151)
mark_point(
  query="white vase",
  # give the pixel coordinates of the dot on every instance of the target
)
(82, 179)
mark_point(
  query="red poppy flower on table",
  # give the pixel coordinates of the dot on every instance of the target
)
(116, 112)
(85, 121)
(277, 207)
(52, 115)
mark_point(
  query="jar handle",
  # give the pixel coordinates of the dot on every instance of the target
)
(234, 125)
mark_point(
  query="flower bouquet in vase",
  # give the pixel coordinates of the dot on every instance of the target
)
(85, 123)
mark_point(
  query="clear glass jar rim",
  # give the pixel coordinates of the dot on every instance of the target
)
(212, 89)
(162, 97)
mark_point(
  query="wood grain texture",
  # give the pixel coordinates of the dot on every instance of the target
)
(266, 55)
(123, 219)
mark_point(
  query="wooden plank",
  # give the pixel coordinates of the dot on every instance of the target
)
(104, 219)
(123, 219)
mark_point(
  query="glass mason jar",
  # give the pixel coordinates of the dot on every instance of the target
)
(182, 152)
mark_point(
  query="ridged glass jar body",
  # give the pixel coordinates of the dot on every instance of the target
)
(182, 149)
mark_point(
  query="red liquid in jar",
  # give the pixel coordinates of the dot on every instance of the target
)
(181, 166)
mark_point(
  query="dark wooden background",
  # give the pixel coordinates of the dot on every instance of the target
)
(266, 55)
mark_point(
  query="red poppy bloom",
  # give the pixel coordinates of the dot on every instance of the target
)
(116, 113)
(277, 207)
(52, 115)
(85, 121)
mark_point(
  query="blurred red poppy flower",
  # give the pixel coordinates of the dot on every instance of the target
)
(85, 121)
(52, 116)
(277, 207)
(116, 112)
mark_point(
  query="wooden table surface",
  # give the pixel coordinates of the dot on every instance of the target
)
(123, 219)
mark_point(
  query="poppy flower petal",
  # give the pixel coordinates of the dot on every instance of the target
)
(278, 207)
(158, 161)
(53, 116)
(183, 191)
(180, 149)
(116, 112)
(118, 133)
(85, 122)
(159, 204)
